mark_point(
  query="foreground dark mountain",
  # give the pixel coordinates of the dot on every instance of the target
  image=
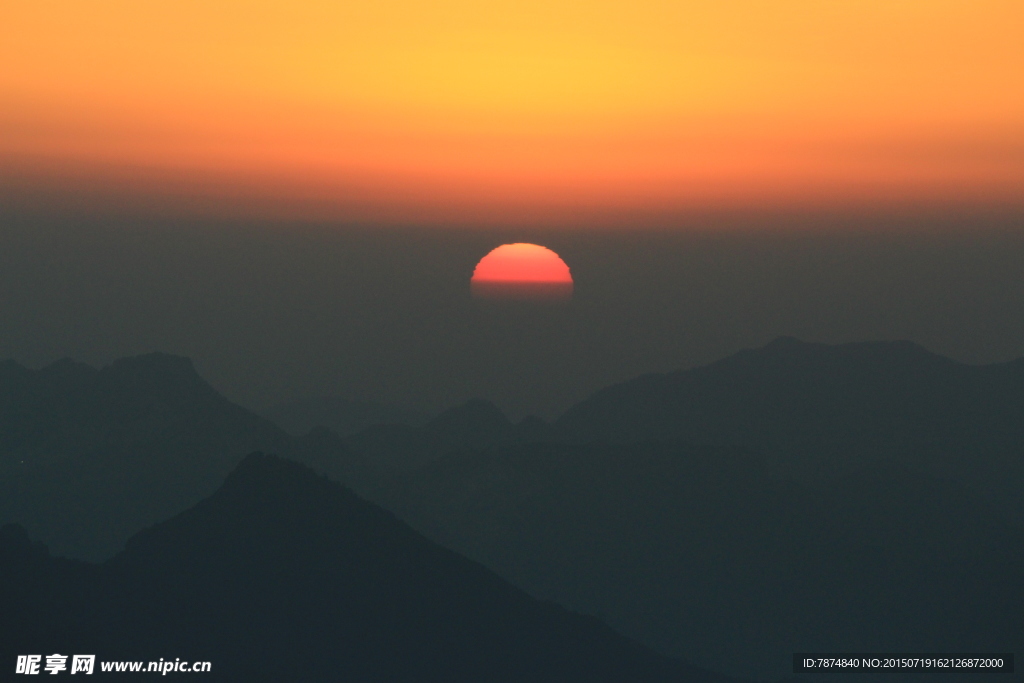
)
(284, 575)
(88, 457)
(817, 411)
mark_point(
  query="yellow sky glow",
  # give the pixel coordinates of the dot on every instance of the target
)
(450, 103)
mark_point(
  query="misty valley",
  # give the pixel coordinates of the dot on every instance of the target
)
(698, 525)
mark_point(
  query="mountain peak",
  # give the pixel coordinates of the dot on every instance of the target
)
(259, 469)
(474, 423)
(147, 428)
(159, 374)
(281, 560)
(769, 397)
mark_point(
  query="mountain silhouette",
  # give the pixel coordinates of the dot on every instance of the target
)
(284, 575)
(699, 552)
(793, 497)
(88, 457)
(817, 411)
(715, 513)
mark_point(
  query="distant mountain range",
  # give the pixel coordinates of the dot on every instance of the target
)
(282, 575)
(89, 457)
(794, 497)
(819, 496)
(817, 411)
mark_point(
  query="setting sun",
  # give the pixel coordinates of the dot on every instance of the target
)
(522, 271)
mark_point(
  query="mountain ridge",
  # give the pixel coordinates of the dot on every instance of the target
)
(89, 455)
(819, 411)
(764, 448)
(283, 574)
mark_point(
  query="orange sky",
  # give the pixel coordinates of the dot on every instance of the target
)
(451, 110)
